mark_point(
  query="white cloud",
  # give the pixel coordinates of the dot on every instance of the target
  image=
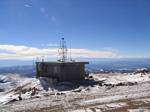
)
(52, 45)
(92, 53)
(21, 52)
(27, 5)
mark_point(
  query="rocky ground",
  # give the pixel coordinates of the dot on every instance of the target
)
(113, 92)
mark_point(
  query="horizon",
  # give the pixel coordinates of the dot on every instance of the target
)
(93, 29)
(11, 63)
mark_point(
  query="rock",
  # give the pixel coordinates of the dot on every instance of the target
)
(143, 71)
(107, 84)
(91, 77)
(126, 84)
(13, 100)
(60, 93)
(1, 90)
(33, 91)
(20, 98)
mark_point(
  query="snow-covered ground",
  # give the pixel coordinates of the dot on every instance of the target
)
(14, 86)
(100, 93)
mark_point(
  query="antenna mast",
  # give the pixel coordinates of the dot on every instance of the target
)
(63, 50)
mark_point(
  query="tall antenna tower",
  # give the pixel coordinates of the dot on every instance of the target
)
(62, 51)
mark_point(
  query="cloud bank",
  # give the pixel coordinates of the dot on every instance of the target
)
(20, 52)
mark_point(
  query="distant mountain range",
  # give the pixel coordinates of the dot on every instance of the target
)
(118, 65)
(26, 70)
(95, 66)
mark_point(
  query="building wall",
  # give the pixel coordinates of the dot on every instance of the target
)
(61, 71)
(72, 72)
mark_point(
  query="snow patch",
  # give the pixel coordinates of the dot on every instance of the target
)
(87, 110)
(139, 110)
(127, 78)
(19, 88)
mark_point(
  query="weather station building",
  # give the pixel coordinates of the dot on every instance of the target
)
(62, 69)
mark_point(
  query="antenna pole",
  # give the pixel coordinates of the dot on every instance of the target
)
(63, 50)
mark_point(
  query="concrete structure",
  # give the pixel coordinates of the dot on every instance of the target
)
(62, 71)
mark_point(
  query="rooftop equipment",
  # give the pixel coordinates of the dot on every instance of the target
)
(61, 70)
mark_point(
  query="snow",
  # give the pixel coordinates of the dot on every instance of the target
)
(6, 98)
(87, 110)
(128, 78)
(139, 110)
(116, 105)
(106, 106)
(14, 85)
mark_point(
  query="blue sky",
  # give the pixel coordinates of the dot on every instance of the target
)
(97, 28)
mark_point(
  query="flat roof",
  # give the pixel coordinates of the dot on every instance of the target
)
(66, 62)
